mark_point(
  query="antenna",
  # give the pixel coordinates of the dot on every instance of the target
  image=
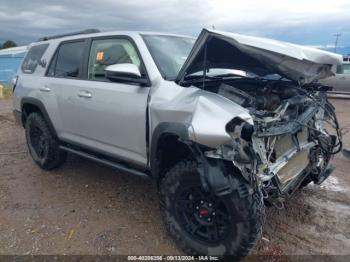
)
(337, 36)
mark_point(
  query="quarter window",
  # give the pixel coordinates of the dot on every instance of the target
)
(69, 58)
(109, 52)
(33, 58)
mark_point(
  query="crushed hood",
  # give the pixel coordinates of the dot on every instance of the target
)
(260, 56)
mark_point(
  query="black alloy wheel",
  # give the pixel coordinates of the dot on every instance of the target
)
(203, 215)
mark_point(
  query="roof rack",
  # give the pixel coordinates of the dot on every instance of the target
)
(86, 31)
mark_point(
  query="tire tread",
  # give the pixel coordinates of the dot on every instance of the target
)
(256, 214)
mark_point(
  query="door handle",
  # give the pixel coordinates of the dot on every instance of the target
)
(45, 89)
(84, 94)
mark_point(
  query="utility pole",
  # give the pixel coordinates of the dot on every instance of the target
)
(337, 36)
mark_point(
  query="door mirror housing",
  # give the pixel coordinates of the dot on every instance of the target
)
(126, 72)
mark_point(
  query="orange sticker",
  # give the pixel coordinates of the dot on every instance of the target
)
(99, 56)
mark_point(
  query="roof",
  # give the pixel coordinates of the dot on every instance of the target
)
(111, 33)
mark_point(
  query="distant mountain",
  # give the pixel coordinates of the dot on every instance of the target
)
(340, 50)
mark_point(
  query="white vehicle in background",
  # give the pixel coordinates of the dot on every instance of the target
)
(10, 60)
(341, 81)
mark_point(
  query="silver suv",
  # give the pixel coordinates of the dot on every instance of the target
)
(224, 124)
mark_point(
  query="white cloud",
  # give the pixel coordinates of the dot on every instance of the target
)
(309, 21)
(277, 13)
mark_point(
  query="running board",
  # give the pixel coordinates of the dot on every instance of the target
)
(106, 162)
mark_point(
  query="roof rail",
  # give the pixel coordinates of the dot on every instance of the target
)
(86, 31)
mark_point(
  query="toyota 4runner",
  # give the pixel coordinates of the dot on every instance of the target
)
(224, 124)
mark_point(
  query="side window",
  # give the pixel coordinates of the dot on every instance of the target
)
(109, 52)
(33, 58)
(68, 60)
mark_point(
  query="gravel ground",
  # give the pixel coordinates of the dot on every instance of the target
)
(86, 208)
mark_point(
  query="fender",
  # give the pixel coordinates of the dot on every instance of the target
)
(43, 111)
(163, 129)
(212, 172)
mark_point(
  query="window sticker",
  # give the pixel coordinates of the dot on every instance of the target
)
(99, 55)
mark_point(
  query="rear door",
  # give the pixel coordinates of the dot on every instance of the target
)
(105, 116)
(63, 81)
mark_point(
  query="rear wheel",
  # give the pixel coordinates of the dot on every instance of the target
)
(42, 144)
(205, 224)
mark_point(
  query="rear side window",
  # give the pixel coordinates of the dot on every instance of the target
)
(67, 61)
(33, 58)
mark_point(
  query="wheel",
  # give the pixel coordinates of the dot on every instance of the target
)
(42, 144)
(205, 224)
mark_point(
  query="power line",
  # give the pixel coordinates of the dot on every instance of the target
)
(337, 36)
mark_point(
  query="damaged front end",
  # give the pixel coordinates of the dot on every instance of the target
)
(287, 144)
(278, 139)
(242, 125)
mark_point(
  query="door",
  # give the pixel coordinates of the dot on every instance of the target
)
(105, 116)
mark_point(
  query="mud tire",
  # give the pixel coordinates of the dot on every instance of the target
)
(243, 201)
(47, 155)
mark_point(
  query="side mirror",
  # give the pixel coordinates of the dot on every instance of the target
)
(124, 73)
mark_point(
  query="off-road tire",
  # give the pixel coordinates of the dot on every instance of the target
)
(50, 156)
(243, 201)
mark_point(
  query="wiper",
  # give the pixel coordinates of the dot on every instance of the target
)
(189, 77)
(194, 78)
(231, 75)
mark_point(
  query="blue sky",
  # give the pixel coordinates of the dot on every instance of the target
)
(307, 22)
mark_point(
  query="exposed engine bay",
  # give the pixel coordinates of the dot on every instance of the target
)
(288, 145)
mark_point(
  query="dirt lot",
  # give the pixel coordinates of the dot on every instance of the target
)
(86, 208)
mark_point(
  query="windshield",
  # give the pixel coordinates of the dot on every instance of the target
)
(169, 52)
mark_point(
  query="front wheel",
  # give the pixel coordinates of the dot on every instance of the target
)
(205, 224)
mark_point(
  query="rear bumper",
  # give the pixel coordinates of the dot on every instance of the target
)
(18, 116)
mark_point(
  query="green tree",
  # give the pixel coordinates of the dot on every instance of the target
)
(8, 44)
